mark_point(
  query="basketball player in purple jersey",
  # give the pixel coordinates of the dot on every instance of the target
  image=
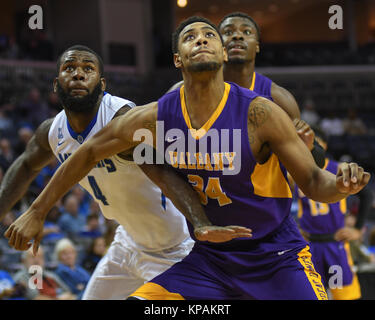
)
(323, 225)
(241, 36)
(215, 136)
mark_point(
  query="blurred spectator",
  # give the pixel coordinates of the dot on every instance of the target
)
(84, 199)
(354, 125)
(371, 241)
(54, 104)
(51, 231)
(309, 114)
(7, 285)
(24, 135)
(92, 227)
(33, 110)
(72, 274)
(7, 155)
(52, 287)
(46, 173)
(5, 223)
(8, 47)
(332, 125)
(94, 253)
(5, 122)
(38, 47)
(71, 222)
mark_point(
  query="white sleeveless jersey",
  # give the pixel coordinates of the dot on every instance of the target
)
(123, 191)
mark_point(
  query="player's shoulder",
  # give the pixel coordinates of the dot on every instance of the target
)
(241, 92)
(260, 76)
(114, 102)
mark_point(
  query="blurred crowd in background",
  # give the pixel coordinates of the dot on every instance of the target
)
(76, 235)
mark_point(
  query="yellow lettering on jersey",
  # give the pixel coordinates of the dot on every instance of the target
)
(199, 159)
(197, 183)
(318, 208)
(208, 165)
(230, 157)
(218, 161)
(214, 191)
(190, 164)
(182, 164)
(173, 159)
(343, 207)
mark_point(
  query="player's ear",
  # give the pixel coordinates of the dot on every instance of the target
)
(55, 85)
(177, 60)
(257, 48)
(225, 54)
(103, 83)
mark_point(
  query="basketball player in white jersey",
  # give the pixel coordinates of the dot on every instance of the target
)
(152, 234)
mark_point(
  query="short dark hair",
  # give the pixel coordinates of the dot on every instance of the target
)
(79, 47)
(185, 23)
(241, 15)
(320, 133)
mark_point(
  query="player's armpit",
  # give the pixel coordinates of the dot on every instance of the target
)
(285, 100)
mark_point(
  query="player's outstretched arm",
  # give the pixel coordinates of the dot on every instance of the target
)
(187, 201)
(269, 124)
(114, 138)
(25, 168)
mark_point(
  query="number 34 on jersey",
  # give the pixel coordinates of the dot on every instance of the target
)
(212, 190)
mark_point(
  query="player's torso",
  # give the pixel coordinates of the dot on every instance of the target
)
(220, 164)
(122, 190)
(321, 218)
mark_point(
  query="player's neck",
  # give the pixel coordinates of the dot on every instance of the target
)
(241, 74)
(203, 94)
(80, 120)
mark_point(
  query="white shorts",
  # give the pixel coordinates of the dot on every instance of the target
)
(124, 269)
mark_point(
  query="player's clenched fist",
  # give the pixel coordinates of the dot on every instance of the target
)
(27, 227)
(351, 178)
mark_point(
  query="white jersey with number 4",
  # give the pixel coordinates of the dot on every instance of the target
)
(123, 191)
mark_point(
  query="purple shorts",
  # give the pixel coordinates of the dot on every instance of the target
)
(278, 267)
(334, 263)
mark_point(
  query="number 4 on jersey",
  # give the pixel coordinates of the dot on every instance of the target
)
(213, 190)
(97, 192)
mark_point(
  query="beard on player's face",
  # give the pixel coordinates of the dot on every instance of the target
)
(204, 66)
(79, 103)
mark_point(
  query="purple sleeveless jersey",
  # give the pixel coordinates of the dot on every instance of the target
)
(234, 189)
(261, 85)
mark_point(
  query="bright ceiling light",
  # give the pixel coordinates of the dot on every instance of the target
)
(182, 3)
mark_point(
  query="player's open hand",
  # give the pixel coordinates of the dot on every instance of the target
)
(351, 178)
(347, 234)
(305, 132)
(221, 234)
(27, 227)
